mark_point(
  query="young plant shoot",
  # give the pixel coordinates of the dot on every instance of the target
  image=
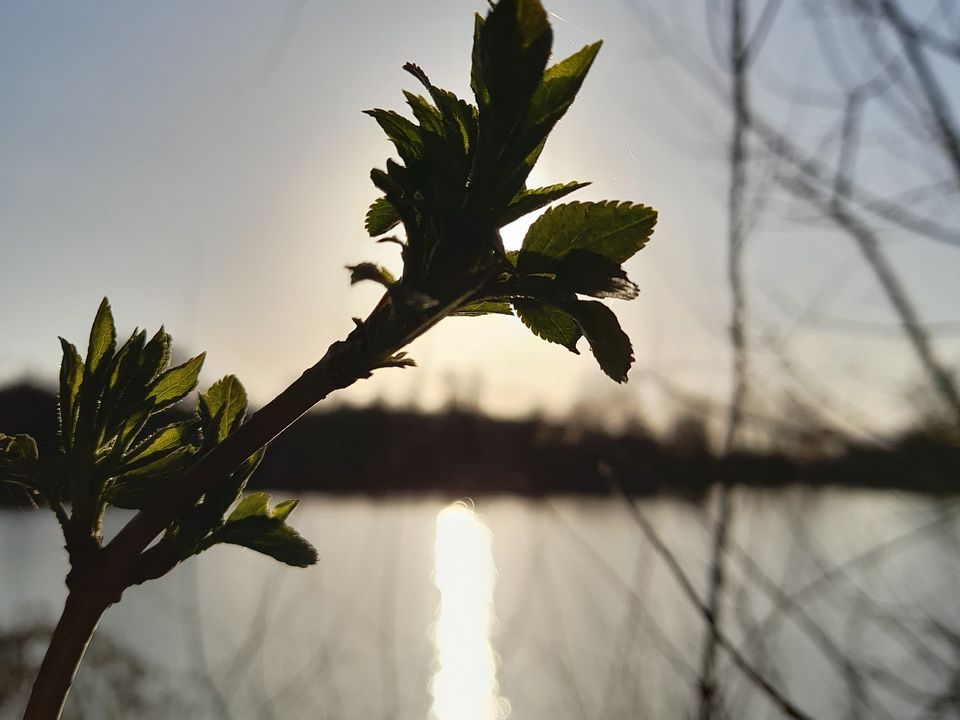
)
(460, 176)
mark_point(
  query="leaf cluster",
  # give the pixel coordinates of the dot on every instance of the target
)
(461, 177)
(120, 448)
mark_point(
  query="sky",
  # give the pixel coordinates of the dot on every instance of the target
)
(206, 166)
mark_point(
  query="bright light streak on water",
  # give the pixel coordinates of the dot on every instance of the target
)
(465, 686)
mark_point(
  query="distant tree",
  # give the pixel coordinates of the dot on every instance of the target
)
(688, 436)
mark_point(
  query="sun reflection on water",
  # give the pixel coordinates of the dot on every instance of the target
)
(465, 685)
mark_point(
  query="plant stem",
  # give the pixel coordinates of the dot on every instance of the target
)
(81, 613)
(122, 553)
(116, 566)
(118, 562)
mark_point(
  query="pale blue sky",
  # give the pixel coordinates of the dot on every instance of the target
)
(205, 165)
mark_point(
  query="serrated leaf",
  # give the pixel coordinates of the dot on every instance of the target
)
(120, 375)
(269, 536)
(381, 218)
(100, 349)
(251, 505)
(164, 464)
(126, 434)
(583, 273)
(126, 360)
(549, 322)
(155, 357)
(162, 442)
(550, 101)
(138, 493)
(426, 114)
(458, 118)
(591, 274)
(131, 396)
(559, 87)
(514, 45)
(71, 377)
(103, 338)
(610, 345)
(477, 83)
(175, 384)
(402, 133)
(613, 230)
(476, 309)
(528, 201)
(222, 409)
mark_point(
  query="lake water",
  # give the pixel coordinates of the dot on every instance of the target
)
(584, 619)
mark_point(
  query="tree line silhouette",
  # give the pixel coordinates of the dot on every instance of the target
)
(380, 451)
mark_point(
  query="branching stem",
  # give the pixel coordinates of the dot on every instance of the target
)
(81, 613)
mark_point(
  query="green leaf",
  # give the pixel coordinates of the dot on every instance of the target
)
(71, 377)
(126, 360)
(578, 272)
(457, 118)
(124, 369)
(549, 322)
(103, 338)
(188, 533)
(159, 465)
(283, 509)
(477, 83)
(587, 273)
(475, 309)
(381, 218)
(510, 57)
(125, 435)
(254, 504)
(258, 505)
(559, 87)
(426, 114)
(130, 396)
(564, 321)
(610, 345)
(222, 409)
(403, 133)
(267, 535)
(551, 100)
(162, 442)
(528, 201)
(175, 384)
(100, 349)
(613, 230)
(136, 494)
(149, 484)
(155, 357)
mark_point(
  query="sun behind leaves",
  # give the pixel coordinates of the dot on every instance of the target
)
(462, 176)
